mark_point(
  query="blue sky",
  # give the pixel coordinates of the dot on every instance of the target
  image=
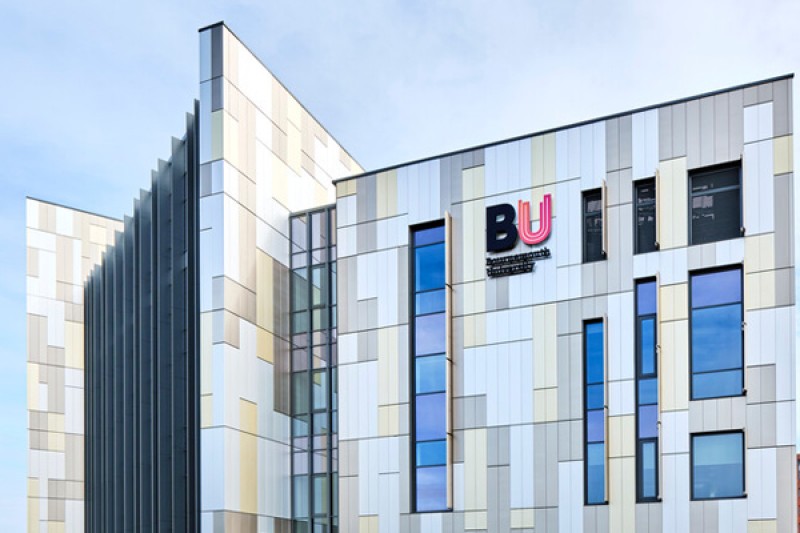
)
(92, 91)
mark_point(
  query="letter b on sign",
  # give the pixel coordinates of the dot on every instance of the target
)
(501, 233)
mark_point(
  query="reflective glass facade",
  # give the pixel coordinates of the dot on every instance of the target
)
(595, 412)
(647, 413)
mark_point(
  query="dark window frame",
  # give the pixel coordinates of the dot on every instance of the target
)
(585, 385)
(412, 230)
(713, 270)
(636, 186)
(702, 171)
(692, 437)
(586, 197)
(640, 375)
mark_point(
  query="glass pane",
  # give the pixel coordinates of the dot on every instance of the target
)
(648, 462)
(648, 421)
(431, 453)
(429, 374)
(428, 236)
(299, 232)
(432, 488)
(647, 349)
(320, 495)
(299, 289)
(595, 426)
(595, 473)
(648, 391)
(320, 318)
(429, 267)
(300, 322)
(319, 286)
(300, 496)
(320, 390)
(717, 338)
(717, 465)
(715, 179)
(300, 392)
(716, 216)
(429, 334)
(594, 352)
(645, 216)
(716, 288)
(430, 417)
(646, 298)
(300, 426)
(593, 238)
(429, 302)
(594, 396)
(717, 384)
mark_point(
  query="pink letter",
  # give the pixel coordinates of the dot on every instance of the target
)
(524, 221)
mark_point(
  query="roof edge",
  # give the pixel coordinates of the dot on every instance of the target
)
(567, 126)
(65, 206)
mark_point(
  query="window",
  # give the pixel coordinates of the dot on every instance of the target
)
(646, 392)
(594, 423)
(593, 226)
(715, 204)
(645, 228)
(429, 369)
(717, 465)
(716, 334)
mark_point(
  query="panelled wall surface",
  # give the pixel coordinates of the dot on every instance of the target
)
(63, 245)
(142, 364)
(262, 157)
(558, 376)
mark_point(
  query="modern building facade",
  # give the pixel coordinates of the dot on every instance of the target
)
(586, 329)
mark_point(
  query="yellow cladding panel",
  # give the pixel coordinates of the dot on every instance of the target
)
(759, 290)
(474, 330)
(473, 183)
(545, 405)
(55, 442)
(73, 345)
(675, 365)
(33, 514)
(368, 524)
(762, 526)
(475, 520)
(387, 366)
(265, 347)
(280, 180)
(33, 387)
(382, 197)
(265, 315)
(33, 487)
(55, 527)
(545, 362)
(782, 155)
(55, 422)
(293, 153)
(388, 420)
(97, 234)
(522, 519)
(621, 436)
(475, 469)
(342, 189)
(206, 411)
(673, 203)
(622, 497)
(543, 159)
(248, 416)
(248, 473)
(473, 224)
(759, 253)
(674, 302)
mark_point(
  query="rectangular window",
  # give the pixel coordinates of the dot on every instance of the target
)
(717, 465)
(645, 228)
(716, 317)
(593, 226)
(429, 334)
(715, 203)
(594, 419)
(646, 391)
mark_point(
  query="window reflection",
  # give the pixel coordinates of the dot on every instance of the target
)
(594, 412)
(717, 466)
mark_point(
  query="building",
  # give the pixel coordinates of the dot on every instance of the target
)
(587, 329)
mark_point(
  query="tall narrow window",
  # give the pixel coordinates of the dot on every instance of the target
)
(715, 203)
(716, 333)
(646, 392)
(594, 419)
(429, 369)
(645, 216)
(593, 226)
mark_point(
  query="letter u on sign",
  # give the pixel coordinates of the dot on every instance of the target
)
(524, 222)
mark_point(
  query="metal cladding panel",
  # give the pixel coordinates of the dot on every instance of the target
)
(517, 340)
(142, 361)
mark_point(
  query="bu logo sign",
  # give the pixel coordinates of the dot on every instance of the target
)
(502, 234)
